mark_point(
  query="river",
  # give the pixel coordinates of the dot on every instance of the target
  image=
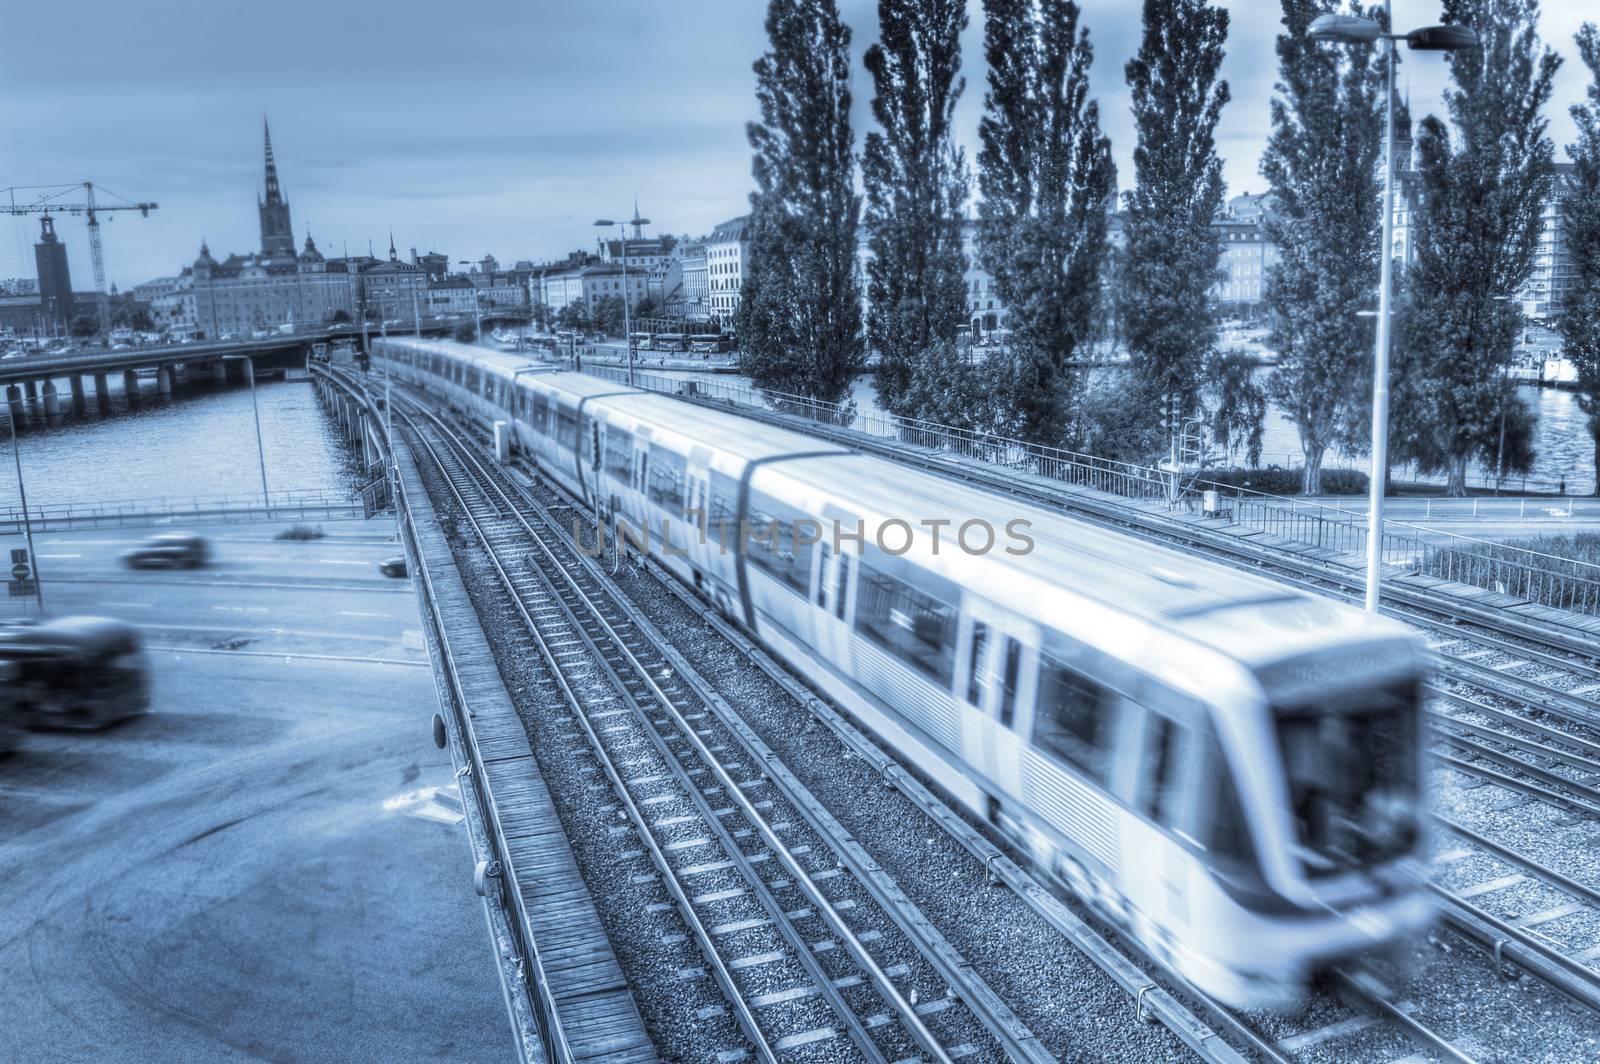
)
(200, 443)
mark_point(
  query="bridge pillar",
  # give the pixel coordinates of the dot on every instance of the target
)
(130, 385)
(234, 371)
(219, 373)
(52, 404)
(102, 393)
(164, 382)
(31, 390)
(76, 383)
(14, 402)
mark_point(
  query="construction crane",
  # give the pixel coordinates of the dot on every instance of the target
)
(48, 199)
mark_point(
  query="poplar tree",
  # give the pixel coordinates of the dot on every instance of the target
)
(799, 318)
(1579, 319)
(1168, 265)
(1323, 164)
(916, 185)
(1478, 224)
(1047, 179)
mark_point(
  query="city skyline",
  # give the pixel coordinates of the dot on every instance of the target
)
(504, 135)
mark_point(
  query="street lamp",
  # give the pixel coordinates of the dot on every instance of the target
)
(27, 524)
(477, 310)
(1353, 29)
(261, 454)
(627, 325)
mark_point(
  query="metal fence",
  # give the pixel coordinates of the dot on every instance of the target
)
(1338, 536)
(311, 503)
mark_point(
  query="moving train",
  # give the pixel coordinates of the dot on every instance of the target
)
(1228, 770)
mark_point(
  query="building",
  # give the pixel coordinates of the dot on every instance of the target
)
(170, 301)
(262, 290)
(1554, 270)
(393, 290)
(692, 298)
(727, 253)
(436, 264)
(450, 296)
(55, 279)
(501, 290)
(1247, 254)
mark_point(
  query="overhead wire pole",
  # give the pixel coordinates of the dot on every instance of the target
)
(27, 523)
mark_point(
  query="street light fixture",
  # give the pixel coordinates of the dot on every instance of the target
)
(1353, 29)
(27, 523)
(627, 324)
(477, 312)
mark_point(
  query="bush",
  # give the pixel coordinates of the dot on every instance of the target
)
(301, 532)
(1276, 480)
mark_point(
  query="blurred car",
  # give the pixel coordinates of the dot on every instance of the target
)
(395, 566)
(13, 718)
(168, 550)
(75, 671)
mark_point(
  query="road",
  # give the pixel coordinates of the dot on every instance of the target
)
(270, 866)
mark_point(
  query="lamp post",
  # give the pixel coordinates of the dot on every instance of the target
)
(261, 454)
(27, 523)
(477, 310)
(627, 325)
(1353, 29)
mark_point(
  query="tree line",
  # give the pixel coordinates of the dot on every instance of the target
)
(1045, 188)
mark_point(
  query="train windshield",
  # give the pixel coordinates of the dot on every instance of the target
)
(1351, 760)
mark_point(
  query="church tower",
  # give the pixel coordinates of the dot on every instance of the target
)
(277, 235)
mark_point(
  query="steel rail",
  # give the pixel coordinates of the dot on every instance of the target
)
(910, 1018)
(1367, 986)
(703, 938)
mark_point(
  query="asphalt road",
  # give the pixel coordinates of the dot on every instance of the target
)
(271, 865)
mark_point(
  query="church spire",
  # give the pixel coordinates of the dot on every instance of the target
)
(277, 235)
(392, 253)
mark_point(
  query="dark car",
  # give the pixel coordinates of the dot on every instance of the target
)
(395, 566)
(13, 715)
(75, 671)
(169, 550)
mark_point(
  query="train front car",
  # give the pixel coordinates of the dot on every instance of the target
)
(1323, 739)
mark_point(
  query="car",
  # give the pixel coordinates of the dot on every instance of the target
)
(168, 550)
(395, 567)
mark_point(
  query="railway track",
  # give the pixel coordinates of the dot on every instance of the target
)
(1509, 941)
(808, 941)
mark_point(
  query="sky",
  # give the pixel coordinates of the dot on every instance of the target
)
(503, 126)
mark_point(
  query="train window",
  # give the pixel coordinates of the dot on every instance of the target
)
(844, 586)
(1076, 719)
(1222, 829)
(619, 453)
(822, 575)
(1008, 682)
(980, 636)
(566, 432)
(665, 484)
(772, 545)
(1158, 790)
(911, 624)
(722, 512)
(541, 415)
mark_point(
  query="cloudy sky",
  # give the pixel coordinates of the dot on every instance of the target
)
(503, 126)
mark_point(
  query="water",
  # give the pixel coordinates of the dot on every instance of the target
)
(201, 443)
(1564, 449)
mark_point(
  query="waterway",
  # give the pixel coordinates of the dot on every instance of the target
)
(200, 443)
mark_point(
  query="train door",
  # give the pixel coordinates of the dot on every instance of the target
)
(697, 500)
(833, 585)
(997, 670)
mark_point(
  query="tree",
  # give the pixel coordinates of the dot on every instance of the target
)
(916, 185)
(607, 315)
(84, 325)
(799, 317)
(1241, 411)
(340, 316)
(1323, 164)
(645, 308)
(1047, 179)
(1579, 318)
(1169, 263)
(1477, 227)
(575, 315)
(466, 332)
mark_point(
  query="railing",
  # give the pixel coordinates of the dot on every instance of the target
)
(1338, 533)
(308, 503)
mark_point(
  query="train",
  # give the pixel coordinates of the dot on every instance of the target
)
(1228, 770)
